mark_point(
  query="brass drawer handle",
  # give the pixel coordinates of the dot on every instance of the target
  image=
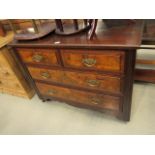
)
(93, 83)
(96, 101)
(51, 92)
(89, 62)
(45, 75)
(37, 58)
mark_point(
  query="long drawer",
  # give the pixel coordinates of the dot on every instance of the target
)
(78, 79)
(38, 56)
(105, 60)
(82, 97)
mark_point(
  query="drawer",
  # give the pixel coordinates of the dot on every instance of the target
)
(38, 56)
(10, 84)
(20, 93)
(3, 61)
(83, 97)
(7, 73)
(78, 79)
(112, 61)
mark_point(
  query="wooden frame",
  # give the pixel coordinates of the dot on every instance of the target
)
(147, 75)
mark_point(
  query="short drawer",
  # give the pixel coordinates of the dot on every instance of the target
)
(83, 97)
(112, 61)
(78, 79)
(38, 56)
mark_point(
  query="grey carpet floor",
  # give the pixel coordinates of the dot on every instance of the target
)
(22, 116)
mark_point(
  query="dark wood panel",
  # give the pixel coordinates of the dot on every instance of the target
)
(130, 59)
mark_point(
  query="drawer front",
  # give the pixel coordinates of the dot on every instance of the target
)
(83, 97)
(7, 73)
(39, 56)
(3, 61)
(10, 84)
(78, 79)
(94, 60)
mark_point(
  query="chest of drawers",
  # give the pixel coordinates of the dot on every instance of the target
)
(95, 74)
(12, 80)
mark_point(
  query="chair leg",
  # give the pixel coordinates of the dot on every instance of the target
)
(76, 24)
(93, 28)
(59, 24)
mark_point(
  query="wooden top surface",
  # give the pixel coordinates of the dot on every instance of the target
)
(5, 40)
(115, 37)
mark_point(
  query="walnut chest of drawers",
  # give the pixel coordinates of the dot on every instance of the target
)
(12, 80)
(95, 74)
